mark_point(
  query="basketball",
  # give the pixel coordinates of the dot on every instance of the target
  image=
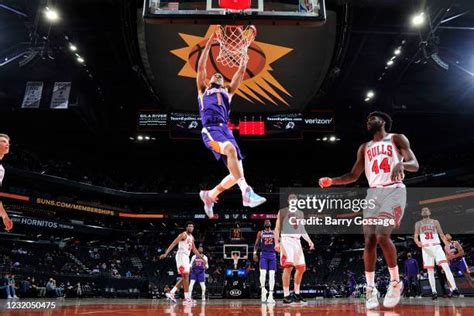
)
(255, 65)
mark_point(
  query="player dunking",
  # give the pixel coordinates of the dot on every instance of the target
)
(427, 234)
(4, 150)
(185, 242)
(199, 264)
(384, 158)
(214, 106)
(265, 242)
(457, 262)
(291, 250)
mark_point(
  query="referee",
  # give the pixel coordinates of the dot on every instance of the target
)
(4, 149)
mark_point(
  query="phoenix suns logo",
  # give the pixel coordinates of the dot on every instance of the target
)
(259, 84)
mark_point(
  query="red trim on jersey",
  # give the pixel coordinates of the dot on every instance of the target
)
(428, 267)
(399, 154)
(442, 261)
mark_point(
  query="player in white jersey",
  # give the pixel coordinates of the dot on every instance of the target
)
(287, 241)
(385, 159)
(185, 242)
(4, 149)
(427, 236)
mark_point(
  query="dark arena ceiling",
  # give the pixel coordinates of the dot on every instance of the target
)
(332, 67)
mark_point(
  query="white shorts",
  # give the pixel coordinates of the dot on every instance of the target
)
(182, 263)
(432, 254)
(291, 252)
(389, 204)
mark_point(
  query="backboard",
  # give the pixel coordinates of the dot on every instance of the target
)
(266, 12)
(230, 249)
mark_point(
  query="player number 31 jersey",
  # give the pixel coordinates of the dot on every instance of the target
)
(428, 234)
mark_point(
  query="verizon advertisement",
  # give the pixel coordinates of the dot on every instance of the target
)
(322, 121)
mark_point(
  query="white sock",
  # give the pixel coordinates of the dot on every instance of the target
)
(286, 291)
(191, 286)
(297, 288)
(226, 183)
(263, 276)
(271, 280)
(449, 276)
(203, 288)
(370, 278)
(173, 290)
(215, 192)
(242, 184)
(394, 276)
(432, 280)
(186, 295)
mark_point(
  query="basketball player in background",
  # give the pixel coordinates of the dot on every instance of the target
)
(265, 242)
(427, 234)
(214, 106)
(199, 264)
(185, 242)
(457, 262)
(4, 150)
(385, 159)
(287, 241)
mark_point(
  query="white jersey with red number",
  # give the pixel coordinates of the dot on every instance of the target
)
(185, 246)
(380, 159)
(428, 233)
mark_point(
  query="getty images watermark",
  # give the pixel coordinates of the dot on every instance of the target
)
(316, 206)
(347, 210)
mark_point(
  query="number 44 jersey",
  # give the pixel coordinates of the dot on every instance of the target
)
(380, 159)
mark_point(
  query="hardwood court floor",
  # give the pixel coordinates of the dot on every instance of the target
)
(219, 307)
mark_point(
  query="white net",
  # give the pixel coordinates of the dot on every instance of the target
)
(234, 41)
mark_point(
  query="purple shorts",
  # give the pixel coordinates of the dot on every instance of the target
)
(215, 136)
(459, 265)
(198, 276)
(268, 262)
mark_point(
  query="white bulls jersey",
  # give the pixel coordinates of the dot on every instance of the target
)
(380, 159)
(185, 246)
(289, 226)
(2, 174)
(428, 233)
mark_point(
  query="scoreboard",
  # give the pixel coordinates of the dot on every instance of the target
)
(258, 126)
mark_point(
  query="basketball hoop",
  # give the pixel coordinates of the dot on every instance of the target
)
(236, 257)
(234, 41)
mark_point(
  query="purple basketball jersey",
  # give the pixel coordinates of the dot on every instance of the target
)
(198, 265)
(454, 251)
(214, 106)
(267, 243)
